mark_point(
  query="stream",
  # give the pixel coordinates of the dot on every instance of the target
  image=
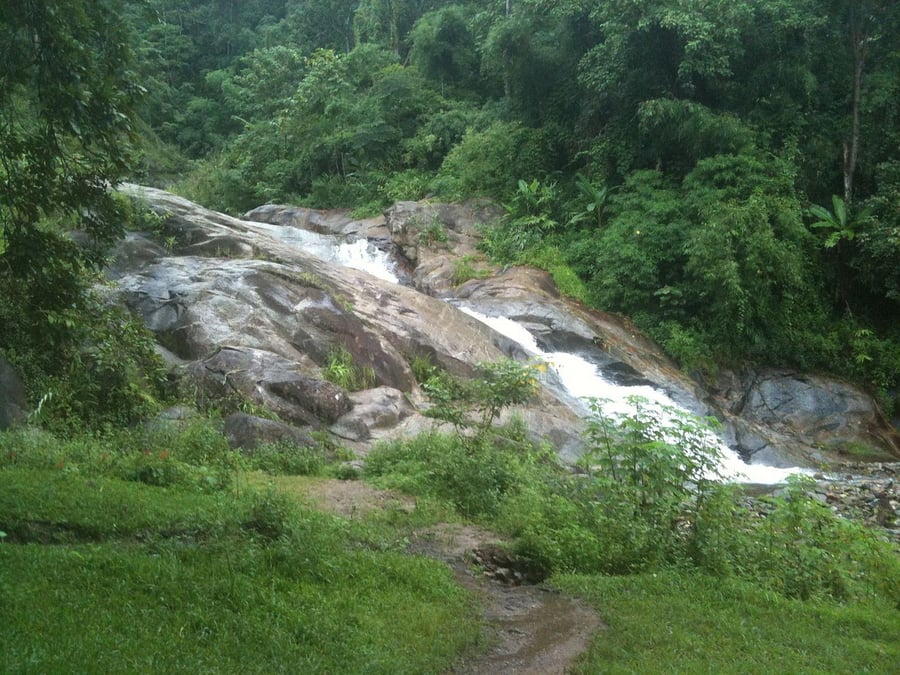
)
(572, 375)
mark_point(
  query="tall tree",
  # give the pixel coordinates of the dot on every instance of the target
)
(65, 99)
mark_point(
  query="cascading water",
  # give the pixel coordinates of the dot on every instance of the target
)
(579, 378)
(582, 380)
(359, 254)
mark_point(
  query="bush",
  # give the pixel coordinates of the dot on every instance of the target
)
(475, 477)
(490, 163)
(803, 550)
(92, 365)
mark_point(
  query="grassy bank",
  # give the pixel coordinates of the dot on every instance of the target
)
(671, 622)
(164, 551)
(101, 573)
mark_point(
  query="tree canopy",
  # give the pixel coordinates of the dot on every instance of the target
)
(724, 172)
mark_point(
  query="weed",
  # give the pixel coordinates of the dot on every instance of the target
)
(432, 234)
(343, 371)
(423, 368)
(287, 459)
(465, 269)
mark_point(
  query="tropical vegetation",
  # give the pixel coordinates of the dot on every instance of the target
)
(726, 173)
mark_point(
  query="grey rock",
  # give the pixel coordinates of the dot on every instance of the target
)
(373, 410)
(13, 397)
(269, 380)
(247, 432)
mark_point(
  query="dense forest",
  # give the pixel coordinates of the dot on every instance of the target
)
(725, 173)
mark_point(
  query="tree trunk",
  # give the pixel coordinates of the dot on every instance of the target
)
(859, 39)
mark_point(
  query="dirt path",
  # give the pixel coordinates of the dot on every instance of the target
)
(532, 629)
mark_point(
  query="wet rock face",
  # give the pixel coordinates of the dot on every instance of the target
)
(817, 412)
(242, 314)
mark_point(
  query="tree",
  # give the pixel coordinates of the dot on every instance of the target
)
(65, 98)
(443, 48)
(66, 93)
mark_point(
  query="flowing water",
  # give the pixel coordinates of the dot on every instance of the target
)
(359, 254)
(579, 378)
(583, 380)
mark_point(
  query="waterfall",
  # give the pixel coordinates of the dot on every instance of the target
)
(359, 254)
(583, 380)
(578, 378)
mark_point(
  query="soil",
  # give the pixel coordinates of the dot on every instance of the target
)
(530, 627)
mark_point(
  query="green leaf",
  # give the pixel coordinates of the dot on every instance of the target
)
(840, 210)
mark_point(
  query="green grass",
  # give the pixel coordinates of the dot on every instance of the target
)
(226, 608)
(99, 573)
(691, 623)
(120, 555)
(344, 372)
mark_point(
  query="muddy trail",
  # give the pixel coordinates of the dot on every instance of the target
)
(530, 627)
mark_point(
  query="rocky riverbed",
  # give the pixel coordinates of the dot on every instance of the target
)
(868, 492)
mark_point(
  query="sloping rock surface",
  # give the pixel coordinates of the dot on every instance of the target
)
(249, 317)
(252, 319)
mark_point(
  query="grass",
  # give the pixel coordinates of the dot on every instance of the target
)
(674, 622)
(104, 573)
(468, 268)
(103, 570)
(344, 372)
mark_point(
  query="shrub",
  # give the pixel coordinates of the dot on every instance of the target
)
(803, 550)
(477, 402)
(475, 477)
(490, 163)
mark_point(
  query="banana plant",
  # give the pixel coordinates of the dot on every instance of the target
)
(596, 198)
(837, 223)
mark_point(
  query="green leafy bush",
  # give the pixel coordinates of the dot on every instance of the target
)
(477, 402)
(191, 454)
(491, 162)
(645, 501)
(475, 477)
(802, 549)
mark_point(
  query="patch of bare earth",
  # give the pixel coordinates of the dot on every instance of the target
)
(532, 629)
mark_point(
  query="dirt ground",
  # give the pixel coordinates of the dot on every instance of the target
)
(532, 629)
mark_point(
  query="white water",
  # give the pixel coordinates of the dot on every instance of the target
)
(582, 379)
(359, 254)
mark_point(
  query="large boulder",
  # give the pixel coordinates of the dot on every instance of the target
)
(435, 239)
(241, 374)
(247, 432)
(373, 410)
(808, 411)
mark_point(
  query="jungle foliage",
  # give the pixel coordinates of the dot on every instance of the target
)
(724, 173)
